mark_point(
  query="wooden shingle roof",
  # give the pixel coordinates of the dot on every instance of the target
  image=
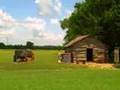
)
(80, 38)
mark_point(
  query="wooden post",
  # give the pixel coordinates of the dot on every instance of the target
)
(116, 55)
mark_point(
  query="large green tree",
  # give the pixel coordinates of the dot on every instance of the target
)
(97, 18)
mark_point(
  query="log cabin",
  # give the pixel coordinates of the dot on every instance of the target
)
(85, 49)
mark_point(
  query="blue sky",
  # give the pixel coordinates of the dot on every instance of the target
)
(33, 20)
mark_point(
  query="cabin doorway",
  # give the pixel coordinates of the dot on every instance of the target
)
(89, 54)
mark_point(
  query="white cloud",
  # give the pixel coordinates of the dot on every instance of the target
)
(44, 6)
(51, 38)
(34, 23)
(32, 28)
(54, 21)
(57, 6)
(47, 7)
(6, 20)
(7, 33)
(6, 24)
(6, 17)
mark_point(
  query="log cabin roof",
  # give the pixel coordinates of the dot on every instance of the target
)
(80, 38)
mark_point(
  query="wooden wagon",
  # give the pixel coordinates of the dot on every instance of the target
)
(23, 55)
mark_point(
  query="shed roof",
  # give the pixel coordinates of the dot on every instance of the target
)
(80, 38)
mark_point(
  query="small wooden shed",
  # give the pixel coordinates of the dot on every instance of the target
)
(86, 48)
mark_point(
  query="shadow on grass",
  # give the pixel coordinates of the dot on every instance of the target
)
(116, 66)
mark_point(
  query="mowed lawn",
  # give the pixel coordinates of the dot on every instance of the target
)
(46, 74)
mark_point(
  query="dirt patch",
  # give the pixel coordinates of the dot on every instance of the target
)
(101, 66)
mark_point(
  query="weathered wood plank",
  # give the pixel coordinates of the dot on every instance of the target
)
(79, 53)
(79, 58)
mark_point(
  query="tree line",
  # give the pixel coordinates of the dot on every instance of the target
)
(30, 45)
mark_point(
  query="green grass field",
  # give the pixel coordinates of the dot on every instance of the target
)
(46, 74)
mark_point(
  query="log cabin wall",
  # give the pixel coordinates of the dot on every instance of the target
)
(79, 50)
